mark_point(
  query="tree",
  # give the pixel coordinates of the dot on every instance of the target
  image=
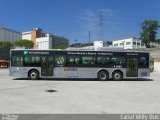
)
(109, 42)
(158, 41)
(4, 44)
(61, 47)
(24, 43)
(149, 31)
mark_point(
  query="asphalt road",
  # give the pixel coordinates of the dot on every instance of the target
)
(79, 96)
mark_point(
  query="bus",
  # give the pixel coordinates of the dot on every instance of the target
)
(102, 65)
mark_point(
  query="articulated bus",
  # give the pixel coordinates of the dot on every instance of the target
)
(102, 65)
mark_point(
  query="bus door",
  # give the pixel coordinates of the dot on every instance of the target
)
(132, 66)
(47, 66)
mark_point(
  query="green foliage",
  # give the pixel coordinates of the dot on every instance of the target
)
(158, 41)
(81, 45)
(149, 31)
(109, 42)
(24, 43)
(4, 44)
(86, 44)
(60, 47)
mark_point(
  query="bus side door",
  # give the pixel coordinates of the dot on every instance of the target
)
(47, 66)
(132, 66)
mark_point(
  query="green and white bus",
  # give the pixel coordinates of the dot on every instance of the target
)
(102, 65)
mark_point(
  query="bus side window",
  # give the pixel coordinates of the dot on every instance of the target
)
(103, 60)
(26, 61)
(88, 60)
(17, 61)
(35, 61)
(30, 60)
(122, 61)
(71, 60)
(113, 60)
(85, 60)
(118, 60)
(43, 60)
(91, 60)
(77, 60)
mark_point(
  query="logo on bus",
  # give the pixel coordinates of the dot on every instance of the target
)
(26, 52)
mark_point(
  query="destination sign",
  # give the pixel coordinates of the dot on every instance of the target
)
(89, 53)
(132, 54)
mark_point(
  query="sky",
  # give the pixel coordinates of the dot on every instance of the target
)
(73, 19)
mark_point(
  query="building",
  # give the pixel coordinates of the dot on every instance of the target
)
(154, 45)
(98, 44)
(43, 40)
(9, 35)
(130, 43)
(95, 46)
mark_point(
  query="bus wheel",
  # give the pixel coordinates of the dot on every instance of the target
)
(117, 75)
(102, 75)
(33, 75)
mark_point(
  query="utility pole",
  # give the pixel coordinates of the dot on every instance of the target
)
(101, 25)
(89, 33)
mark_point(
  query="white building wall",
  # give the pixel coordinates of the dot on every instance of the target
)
(98, 44)
(156, 45)
(27, 35)
(130, 43)
(43, 43)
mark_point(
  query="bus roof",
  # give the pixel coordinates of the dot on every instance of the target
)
(103, 49)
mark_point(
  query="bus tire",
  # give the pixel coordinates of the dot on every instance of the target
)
(102, 75)
(117, 75)
(33, 75)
